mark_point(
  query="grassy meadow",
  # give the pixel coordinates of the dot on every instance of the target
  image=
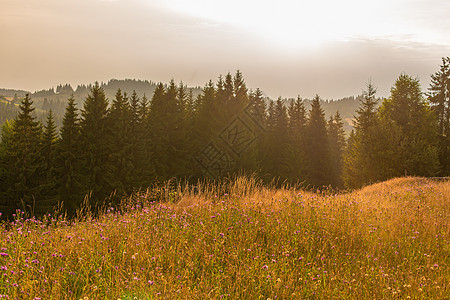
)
(240, 240)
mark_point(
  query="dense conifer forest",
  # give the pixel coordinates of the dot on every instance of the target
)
(106, 149)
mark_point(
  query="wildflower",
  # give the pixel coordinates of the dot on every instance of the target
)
(265, 267)
(4, 254)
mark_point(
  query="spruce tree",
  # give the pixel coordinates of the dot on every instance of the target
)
(257, 108)
(359, 168)
(144, 154)
(183, 132)
(191, 108)
(257, 111)
(439, 98)
(134, 106)
(48, 152)
(276, 142)
(68, 160)
(121, 144)
(297, 169)
(266, 150)
(26, 173)
(7, 204)
(367, 111)
(167, 115)
(94, 141)
(205, 125)
(240, 93)
(317, 145)
(281, 140)
(49, 141)
(407, 110)
(351, 169)
(336, 140)
(144, 109)
(158, 131)
(223, 103)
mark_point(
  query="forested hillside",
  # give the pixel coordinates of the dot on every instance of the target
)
(56, 99)
(108, 149)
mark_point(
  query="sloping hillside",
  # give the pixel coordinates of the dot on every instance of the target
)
(389, 240)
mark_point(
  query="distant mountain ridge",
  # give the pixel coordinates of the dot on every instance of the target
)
(62, 92)
(56, 99)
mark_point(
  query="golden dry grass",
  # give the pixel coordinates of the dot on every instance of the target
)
(241, 240)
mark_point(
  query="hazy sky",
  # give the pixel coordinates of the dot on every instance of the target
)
(286, 48)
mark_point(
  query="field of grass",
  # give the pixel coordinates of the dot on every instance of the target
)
(241, 241)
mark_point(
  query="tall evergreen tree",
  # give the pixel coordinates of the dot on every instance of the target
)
(26, 170)
(223, 104)
(7, 204)
(276, 142)
(336, 139)
(144, 109)
(439, 98)
(183, 132)
(190, 108)
(207, 125)
(134, 106)
(121, 143)
(136, 140)
(351, 168)
(156, 130)
(257, 107)
(359, 165)
(240, 92)
(167, 117)
(367, 111)
(94, 141)
(49, 141)
(68, 160)
(228, 87)
(144, 153)
(297, 169)
(408, 111)
(317, 145)
(48, 152)
(257, 110)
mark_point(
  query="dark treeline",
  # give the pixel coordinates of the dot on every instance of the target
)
(105, 151)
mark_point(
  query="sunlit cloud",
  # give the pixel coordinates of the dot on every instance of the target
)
(310, 23)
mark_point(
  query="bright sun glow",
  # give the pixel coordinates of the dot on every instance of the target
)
(293, 24)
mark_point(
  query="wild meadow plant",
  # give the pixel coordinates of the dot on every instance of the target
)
(240, 241)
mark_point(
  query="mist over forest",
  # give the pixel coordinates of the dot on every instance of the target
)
(56, 99)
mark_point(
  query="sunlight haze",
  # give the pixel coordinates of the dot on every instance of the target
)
(286, 48)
